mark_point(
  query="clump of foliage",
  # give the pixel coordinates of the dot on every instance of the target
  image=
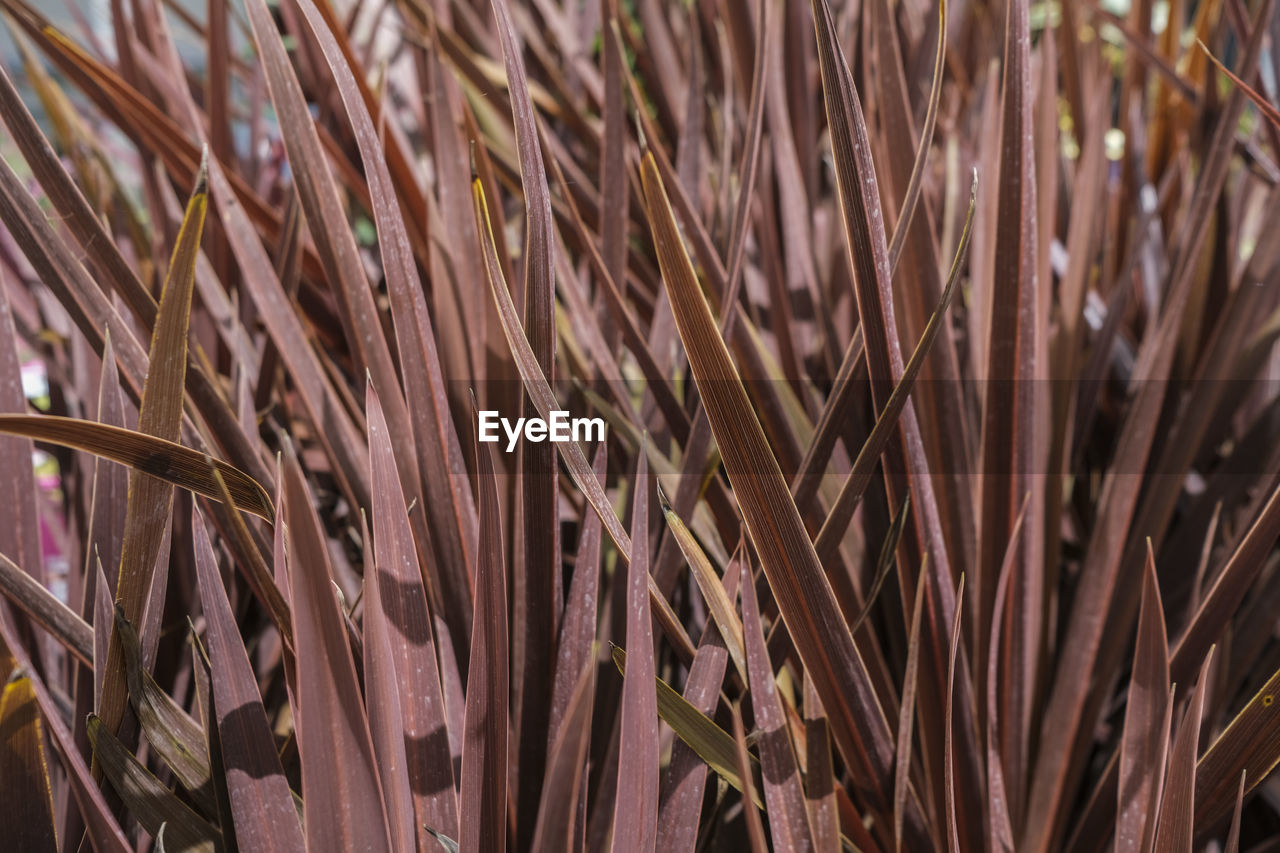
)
(938, 505)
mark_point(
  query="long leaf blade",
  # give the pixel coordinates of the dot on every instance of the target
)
(801, 587)
(341, 793)
(261, 803)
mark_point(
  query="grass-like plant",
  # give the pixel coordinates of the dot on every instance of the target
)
(940, 493)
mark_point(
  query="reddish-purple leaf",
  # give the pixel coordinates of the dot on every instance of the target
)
(755, 827)
(578, 627)
(400, 655)
(45, 609)
(1233, 836)
(1012, 441)
(19, 540)
(906, 720)
(1142, 748)
(949, 773)
(539, 391)
(1065, 706)
(820, 784)
(788, 821)
(446, 489)
(341, 793)
(1176, 828)
(566, 769)
(635, 816)
(684, 781)
(261, 803)
(1229, 589)
(332, 236)
(538, 570)
(482, 805)
(998, 818)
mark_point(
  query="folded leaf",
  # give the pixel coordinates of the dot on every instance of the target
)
(27, 806)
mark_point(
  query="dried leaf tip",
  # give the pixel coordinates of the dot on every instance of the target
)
(662, 498)
(202, 176)
(973, 187)
(640, 137)
(475, 173)
(445, 841)
(122, 621)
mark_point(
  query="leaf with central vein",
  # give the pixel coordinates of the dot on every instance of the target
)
(635, 816)
(342, 799)
(46, 610)
(566, 770)
(701, 733)
(1143, 743)
(1250, 744)
(404, 655)
(685, 777)
(262, 806)
(160, 414)
(718, 602)
(1176, 828)
(145, 454)
(791, 565)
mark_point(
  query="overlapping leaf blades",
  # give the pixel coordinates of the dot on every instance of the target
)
(717, 229)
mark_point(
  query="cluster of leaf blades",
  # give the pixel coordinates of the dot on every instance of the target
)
(940, 495)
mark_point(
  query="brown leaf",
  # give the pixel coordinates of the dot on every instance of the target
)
(788, 821)
(400, 655)
(1143, 745)
(1012, 439)
(27, 808)
(156, 457)
(566, 770)
(262, 805)
(482, 802)
(342, 797)
(1176, 829)
(635, 816)
(1250, 744)
(46, 610)
(949, 761)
